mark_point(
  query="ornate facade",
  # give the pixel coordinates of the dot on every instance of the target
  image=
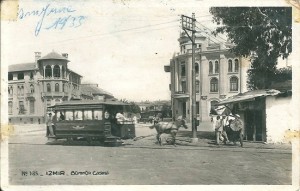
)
(219, 74)
(34, 86)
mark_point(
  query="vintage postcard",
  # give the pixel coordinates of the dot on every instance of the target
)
(163, 94)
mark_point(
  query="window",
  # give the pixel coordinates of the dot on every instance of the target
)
(63, 71)
(196, 68)
(234, 84)
(182, 69)
(31, 88)
(48, 87)
(214, 85)
(210, 67)
(229, 65)
(197, 108)
(31, 75)
(88, 115)
(98, 114)
(183, 86)
(48, 71)
(56, 87)
(31, 106)
(10, 107)
(236, 65)
(69, 116)
(48, 102)
(10, 76)
(216, 67)
(197, 86)
(21, 107)
(10, 90)
(77, 115)
(21, 76)
(20, 90)
(63, 87)
(56, 71)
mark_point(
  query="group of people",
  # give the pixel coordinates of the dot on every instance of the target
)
(224, 124)
(50, 131)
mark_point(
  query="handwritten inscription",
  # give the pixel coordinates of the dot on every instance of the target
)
(63, 17)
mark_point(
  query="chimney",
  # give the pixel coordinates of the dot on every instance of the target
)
(37, 57)
(65, 55)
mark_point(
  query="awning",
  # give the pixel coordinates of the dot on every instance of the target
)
(249, 96)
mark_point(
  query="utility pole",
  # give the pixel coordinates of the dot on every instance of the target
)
(188, 24)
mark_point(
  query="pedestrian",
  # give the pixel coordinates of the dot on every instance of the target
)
(237, 125)
(49, 123)
(218, 129)
(62, 117)
(224, 133)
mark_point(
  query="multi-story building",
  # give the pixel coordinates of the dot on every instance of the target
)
(219, 74)
(34, 86)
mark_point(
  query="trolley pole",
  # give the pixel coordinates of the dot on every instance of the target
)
(188, 24)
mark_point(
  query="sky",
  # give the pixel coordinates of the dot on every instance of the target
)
(121, 45)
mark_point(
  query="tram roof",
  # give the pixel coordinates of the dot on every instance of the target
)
(95, 103)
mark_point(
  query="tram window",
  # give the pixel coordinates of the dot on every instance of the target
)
(78, 115)
(98, 114)
(69, 115)
(58, 116)
(88, 115)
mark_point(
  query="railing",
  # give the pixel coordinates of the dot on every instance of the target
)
(29, 94)
(52, 94)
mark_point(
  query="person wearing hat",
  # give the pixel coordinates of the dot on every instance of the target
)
(237, 125)
(49, 131)
(218, 129)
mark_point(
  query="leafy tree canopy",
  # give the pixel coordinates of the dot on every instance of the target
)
(265, 32)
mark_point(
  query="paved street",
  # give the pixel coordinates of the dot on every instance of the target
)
(144, 162)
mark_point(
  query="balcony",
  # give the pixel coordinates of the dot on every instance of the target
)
(54, 94)
(181, 94)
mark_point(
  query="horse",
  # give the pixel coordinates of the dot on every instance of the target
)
(168, 128)
(234, 130)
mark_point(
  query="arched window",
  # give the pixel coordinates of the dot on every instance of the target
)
(214, 85)
(10, 107)
(56, 87)
(196, 68)
(56, 71)
(236, 65)
(48, 87)
(10, 76)
(31, 88)
(183, 69)
(216, 67)
(234, 84)
(48, 71)
(229, 65)
(197, 86)
(210, 67)
(21, 76)
(63, 71)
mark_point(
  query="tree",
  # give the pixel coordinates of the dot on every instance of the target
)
(262, 31)
(166, 110)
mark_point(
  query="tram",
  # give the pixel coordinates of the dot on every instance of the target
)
(93, 120)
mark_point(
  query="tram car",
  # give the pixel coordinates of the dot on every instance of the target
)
(91, 120)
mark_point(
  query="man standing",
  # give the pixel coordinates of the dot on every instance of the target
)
(218, 129)
(49, 132)
(238, 126)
